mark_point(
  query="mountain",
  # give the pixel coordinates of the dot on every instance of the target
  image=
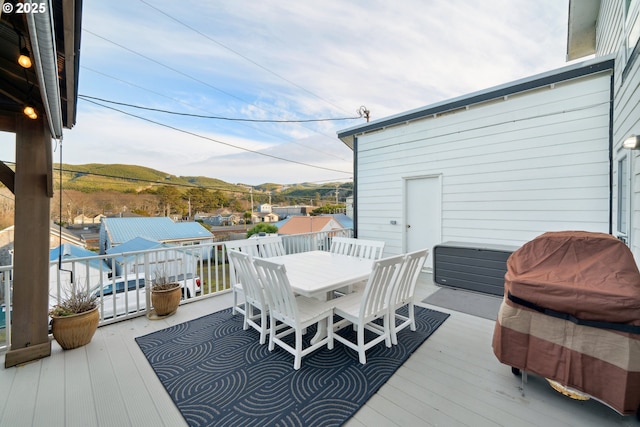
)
(94, 177)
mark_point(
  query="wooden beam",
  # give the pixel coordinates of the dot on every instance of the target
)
(30, 327)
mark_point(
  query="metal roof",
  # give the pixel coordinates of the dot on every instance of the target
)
(161, 229)
(72, 252)
(136, 244)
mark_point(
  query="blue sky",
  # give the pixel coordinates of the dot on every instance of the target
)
(285, 60)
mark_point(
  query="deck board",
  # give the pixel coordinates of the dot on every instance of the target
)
(453, 379)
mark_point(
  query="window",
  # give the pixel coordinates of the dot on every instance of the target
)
(623, 198)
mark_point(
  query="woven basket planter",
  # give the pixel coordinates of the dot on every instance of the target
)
(166, 302)
(75, 330)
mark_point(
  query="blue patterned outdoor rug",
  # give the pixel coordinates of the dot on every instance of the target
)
(218, 374)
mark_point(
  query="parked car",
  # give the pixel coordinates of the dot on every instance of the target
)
(130, 297)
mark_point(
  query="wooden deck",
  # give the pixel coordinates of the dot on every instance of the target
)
(452, 380)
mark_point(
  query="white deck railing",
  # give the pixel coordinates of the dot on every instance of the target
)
(130, 273)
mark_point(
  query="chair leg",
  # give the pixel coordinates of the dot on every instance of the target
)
(412, 316)
(272, 333)
(387, 334)
(248, 314)
(263, 326)
(298, 358)
(361, 351)
(392, 327)
(235, 303)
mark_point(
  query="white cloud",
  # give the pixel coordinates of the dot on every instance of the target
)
(283, 59)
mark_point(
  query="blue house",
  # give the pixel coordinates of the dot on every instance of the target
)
(116, 231)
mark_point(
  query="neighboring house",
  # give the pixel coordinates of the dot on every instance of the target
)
(64, 266)
(344, 220)
(496, 167)
(287, 211)
(202, 216)
(165, 263)
(56, 238)
(309, 224)
(84, 219)
(257, 217)
(221, 220)
(115, 231)
(265, 208)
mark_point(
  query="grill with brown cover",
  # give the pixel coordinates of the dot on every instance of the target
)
(571, 313)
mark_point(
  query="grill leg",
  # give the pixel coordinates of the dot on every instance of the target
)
(523, 382)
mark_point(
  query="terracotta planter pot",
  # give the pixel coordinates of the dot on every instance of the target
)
(75, 330)
(166, 302)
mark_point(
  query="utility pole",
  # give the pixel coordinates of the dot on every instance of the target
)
(337, 185)
(251, 193)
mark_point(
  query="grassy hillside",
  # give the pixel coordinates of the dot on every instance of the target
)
(129, 178)
(95, 177)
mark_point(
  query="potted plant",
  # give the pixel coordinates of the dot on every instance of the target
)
(74, 319)
(165, 295)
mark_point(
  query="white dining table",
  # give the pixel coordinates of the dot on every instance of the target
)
(316, 274)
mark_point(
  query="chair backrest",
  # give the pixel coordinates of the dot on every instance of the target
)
(341, 245)
(405, 283)
(376, 292)
(369, 249)
(248, 246)
(271, 246)
(280, 296)
(247, 275)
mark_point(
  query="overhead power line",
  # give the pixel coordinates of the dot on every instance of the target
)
(258, 129)
(235, 52)
(215, 140)
(184, 74)
(202, 116)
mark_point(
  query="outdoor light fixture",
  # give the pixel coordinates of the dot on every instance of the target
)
(30, 112)
(24, 59)
(632, 142)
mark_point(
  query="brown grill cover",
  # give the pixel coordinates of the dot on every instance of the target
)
(591, 276)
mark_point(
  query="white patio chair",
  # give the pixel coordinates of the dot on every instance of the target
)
(362, 308)
(248, 246)
(403, 291)
(271, 246)
(369, 249)
(298, 313)
(360, 248)
(341, 245)
(253, 293)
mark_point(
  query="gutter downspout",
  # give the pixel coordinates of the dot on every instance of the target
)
(355, 186)
(611, 89)
(44, 51)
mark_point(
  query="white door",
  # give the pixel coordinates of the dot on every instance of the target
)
(423, 214)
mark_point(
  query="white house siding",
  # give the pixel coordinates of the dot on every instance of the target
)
(610, 36)
(609, 27)
(511, 168)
